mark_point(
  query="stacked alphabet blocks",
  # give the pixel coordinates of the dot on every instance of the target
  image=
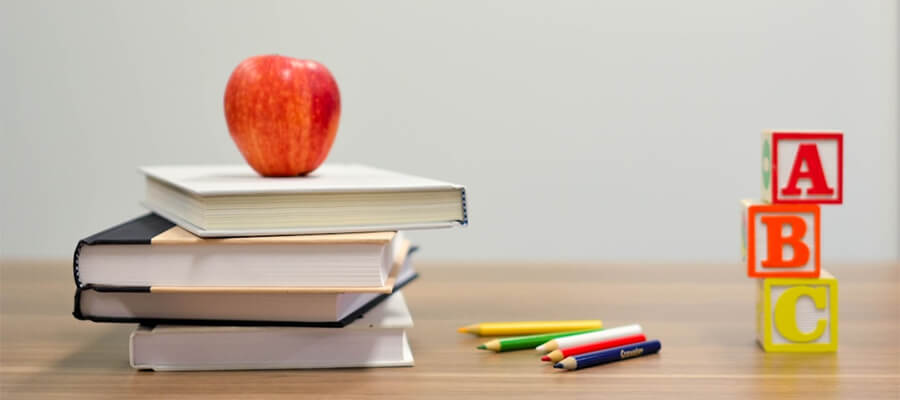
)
(797, 302)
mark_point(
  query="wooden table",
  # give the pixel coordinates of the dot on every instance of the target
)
(702, 314)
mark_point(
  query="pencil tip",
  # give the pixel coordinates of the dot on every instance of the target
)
(558, 365)
(462, 330)
(545, 358)
(539, 348)
(481, 347)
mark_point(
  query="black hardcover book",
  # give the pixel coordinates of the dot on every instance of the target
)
(150, 271)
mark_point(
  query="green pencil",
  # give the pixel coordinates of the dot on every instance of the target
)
(527, 342)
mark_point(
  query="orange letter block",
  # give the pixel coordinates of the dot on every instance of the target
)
(781, 240)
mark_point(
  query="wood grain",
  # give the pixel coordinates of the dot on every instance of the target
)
(702, 314)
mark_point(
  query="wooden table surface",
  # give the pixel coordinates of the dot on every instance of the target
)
(702, 314)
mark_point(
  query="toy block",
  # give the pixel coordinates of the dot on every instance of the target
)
(803, 167)
(798, 315)
(781, 240)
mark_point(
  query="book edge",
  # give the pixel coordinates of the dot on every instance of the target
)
(434, 185)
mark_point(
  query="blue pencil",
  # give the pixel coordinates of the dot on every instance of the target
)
(609, 355)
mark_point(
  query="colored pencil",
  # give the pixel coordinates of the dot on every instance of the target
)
(559, 354)
(590, 337)
(529, 327)
(526, 342)
(609, 355)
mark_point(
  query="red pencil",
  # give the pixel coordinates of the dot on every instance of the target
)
(559, 354)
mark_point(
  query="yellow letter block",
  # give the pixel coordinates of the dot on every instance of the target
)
(798, 314)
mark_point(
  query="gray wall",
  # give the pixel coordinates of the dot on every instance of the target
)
(618, 131)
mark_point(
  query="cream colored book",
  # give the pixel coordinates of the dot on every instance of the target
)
(233, 200)
(152, 252)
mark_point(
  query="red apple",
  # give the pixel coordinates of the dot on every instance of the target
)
(282, 113)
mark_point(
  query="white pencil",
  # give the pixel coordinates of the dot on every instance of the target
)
(590, 337)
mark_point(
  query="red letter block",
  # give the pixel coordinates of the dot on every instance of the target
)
(803, 167)
(781, 240)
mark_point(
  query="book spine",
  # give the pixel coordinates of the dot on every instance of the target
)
(81, 243)
(140, 230)
(79, 289)
(465, 208)
(76, 311)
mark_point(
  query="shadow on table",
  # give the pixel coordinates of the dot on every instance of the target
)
(106, 352)
(95, 361)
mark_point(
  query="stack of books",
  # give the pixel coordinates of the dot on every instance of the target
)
(235, 271)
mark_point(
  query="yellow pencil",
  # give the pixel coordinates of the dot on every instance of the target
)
(529, 327)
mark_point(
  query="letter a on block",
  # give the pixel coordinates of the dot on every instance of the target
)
(781, 240)
(807, 154)
(803, 167)
(798, 315)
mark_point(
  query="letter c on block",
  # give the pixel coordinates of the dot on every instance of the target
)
(786, 313)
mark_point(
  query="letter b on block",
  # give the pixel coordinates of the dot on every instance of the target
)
(781, 240)
(798, 315)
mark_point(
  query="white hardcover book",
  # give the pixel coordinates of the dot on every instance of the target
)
(233, 200)
(378, 339)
